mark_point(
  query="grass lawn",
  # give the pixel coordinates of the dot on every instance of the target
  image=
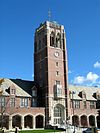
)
(39, 131)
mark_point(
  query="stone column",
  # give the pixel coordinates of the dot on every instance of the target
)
(79, 121)
(43, 121)
(95, 121)
(34, 123)
(10, 122)
(88, 124)
(22, 122)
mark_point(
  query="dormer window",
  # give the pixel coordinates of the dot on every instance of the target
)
(84, 96)
(13, 91)
(34, 92)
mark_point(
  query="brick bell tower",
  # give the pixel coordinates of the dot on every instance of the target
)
(50, 71)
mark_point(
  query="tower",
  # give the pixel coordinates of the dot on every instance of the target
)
(50, 71)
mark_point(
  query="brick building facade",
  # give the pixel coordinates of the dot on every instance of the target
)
(48, 100)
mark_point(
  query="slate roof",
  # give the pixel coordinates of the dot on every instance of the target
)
(89, 91)
(23, 88)
(26, 85)
(19, 91)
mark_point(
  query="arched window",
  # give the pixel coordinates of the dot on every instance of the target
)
(58, 114)
(58, 40)
(52, 39)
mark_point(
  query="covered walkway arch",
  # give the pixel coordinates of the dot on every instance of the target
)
(28, 121)
(98, 121)
(39, 121)
(92, 120)
(4, 121)
(84, 121)
(16, 121)
(75, 120)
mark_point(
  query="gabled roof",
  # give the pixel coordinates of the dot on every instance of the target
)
(89, 91)
(26, 85)
(19, 91)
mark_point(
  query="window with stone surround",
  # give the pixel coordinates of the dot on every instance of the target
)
(24, 102)
(58, 114)
(34, 102)
(84, 104)
(12, 102)
(76, 104)
(2, 101)
(84, 95)
(13, 91)
(92, 105)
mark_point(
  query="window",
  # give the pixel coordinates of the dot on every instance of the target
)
(57, 82)
(58, 91)
(84, 96)
(76, 104)
(58, 114)
(34, 102)
(84, 104)
(24, 102)
(57, 73)
(52, 39)
(12, 102)
(2, 101)
(57, 64)
(34, 92)
(12, 91)
(92, 104)
(58, 43)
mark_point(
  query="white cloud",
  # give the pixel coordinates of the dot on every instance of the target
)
(79, 80)
(92, 77)
(97, 65)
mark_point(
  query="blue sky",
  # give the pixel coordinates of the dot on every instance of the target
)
(81, 19)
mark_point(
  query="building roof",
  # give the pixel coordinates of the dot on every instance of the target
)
(19, 91)
(24, 89)
(26, 85)
(89, 91)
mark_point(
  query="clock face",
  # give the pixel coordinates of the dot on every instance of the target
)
(56, 54)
